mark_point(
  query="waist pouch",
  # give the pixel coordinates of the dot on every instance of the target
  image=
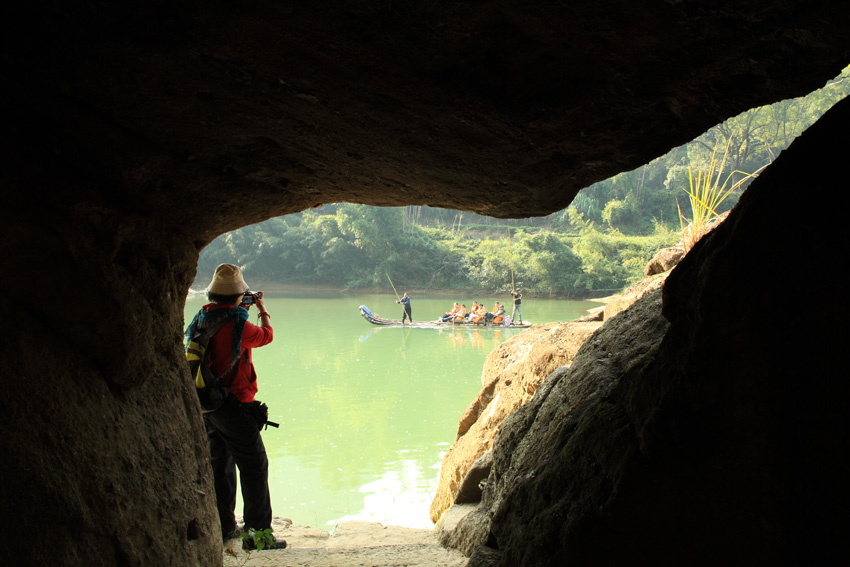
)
(259, 412)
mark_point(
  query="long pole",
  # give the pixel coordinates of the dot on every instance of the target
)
(511, 250)
(391, 283)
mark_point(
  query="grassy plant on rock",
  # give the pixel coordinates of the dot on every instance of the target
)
(706, 193)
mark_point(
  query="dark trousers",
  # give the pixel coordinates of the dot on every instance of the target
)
(235, 441)
(406, 314)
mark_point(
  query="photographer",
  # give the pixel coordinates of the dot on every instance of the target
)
(233, 430)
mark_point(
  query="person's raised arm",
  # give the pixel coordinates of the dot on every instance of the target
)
(264, 317)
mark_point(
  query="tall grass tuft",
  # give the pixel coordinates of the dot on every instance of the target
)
(706, 193)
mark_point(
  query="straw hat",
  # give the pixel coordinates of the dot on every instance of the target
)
(227, 280)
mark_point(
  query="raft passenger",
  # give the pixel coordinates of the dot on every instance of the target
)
(449, 315)
(496, 315)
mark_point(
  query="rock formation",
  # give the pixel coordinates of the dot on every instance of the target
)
(708, 428)
(512, 373)
(664, 260)
(134, 133)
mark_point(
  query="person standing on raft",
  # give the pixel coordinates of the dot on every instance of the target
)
(405, 301)
(515, 293)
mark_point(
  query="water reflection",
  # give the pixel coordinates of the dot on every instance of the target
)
(400, 497)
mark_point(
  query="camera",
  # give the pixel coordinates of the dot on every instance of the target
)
(249, 298)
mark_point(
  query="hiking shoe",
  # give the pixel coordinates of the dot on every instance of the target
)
(232, 534)
(249, 544)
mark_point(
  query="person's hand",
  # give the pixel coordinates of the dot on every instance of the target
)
(261, 304)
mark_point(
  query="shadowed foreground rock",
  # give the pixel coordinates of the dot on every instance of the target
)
(711, 429)
(512, 373)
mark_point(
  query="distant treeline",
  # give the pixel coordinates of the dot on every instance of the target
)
(351, 246)
(600, 244)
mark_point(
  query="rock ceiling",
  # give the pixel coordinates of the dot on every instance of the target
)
(501, 108)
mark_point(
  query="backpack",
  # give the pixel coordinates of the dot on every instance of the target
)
(210, 388)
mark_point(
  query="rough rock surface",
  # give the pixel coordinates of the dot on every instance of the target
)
(551, 455)
(120, 119)
(468, 526)
(512, 373)
(700, 429)
(565, 396)
(465, 526)
(622, 301)
(664, 260)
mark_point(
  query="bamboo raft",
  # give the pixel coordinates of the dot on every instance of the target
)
(376, 319)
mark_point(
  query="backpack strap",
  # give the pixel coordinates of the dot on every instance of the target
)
(214, 319)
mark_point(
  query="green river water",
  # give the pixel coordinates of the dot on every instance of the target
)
(366, 413)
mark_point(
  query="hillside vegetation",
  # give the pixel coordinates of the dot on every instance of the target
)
(599, 244)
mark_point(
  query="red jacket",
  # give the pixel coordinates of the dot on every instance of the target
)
(244, 385)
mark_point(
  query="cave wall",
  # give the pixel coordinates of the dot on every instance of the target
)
(104, 454)
(121, 120)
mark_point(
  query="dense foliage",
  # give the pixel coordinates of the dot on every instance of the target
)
(355, 246)
(599, 244)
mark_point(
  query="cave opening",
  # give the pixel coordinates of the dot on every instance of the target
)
(120, 120)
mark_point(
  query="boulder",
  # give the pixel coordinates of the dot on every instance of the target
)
(664, 260)
(512, 373)
(622, 301)
(705, 424)
(563, 453)
(464, 527)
